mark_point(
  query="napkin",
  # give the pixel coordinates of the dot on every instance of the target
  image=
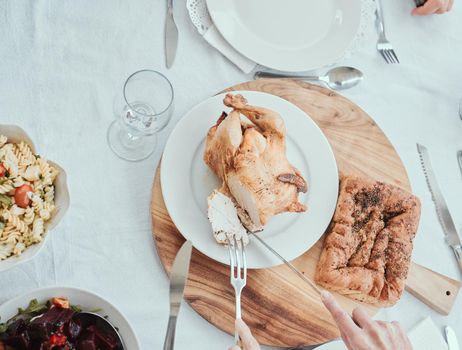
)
(214, 38)
(427, 336)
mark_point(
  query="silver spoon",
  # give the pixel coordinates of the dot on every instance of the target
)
(338, 78)
(93, 318)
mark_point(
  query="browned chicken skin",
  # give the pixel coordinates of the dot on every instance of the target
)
(250, 158)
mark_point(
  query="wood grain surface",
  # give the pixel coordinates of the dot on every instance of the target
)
(280, 307)
(434, 289)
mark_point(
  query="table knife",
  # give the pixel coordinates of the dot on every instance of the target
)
(451, 338)
(286, 262)
(459, 160)
(171, 35)
(178, 278)
(444, 216)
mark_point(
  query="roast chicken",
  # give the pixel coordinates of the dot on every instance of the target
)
(249, 156)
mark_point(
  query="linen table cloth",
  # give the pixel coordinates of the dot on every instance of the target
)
(62, 63)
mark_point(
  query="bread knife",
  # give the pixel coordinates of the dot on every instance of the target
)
(444, 216)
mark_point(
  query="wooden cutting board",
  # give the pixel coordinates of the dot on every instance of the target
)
(280, 308)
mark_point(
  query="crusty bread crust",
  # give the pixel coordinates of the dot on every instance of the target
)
(367, 250)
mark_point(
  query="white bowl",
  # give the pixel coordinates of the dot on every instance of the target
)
(87, 300)
(16, 134)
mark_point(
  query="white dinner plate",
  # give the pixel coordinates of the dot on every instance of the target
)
(187, 181)
(296, 35)
(85, 299)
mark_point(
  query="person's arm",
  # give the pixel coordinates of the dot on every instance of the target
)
(433, 6)
(360, 332)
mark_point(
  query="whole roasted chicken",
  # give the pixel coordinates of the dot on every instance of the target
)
(249, 156)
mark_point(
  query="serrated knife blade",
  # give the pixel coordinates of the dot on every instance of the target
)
(178, 278)
(171, 35)
(444, 216)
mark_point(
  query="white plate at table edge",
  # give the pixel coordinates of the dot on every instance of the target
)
(278, 47)
(184, 172)
(86, 299)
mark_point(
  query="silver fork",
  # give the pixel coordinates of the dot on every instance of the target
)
(383, 45)
(238, 265)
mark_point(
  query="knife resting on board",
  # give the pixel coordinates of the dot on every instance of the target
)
(432, 288)
(178, 278)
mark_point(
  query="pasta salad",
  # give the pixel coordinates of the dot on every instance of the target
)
(27, 194)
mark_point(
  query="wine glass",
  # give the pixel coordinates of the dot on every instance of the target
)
(143, 108)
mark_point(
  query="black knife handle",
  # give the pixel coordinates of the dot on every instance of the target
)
(419, 3)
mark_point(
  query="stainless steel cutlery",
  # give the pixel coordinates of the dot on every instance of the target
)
(171, 35)
(444, 216)
(459, 160)
(287, 263)
(178, 278)
(460, 109)
(238, 266)
(338, 78)
(383, 45)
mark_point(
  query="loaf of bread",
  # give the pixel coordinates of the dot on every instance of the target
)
(367, 250)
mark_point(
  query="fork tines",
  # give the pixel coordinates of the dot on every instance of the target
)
(237, 258)
(389, 56)
(238, 265)
(386, 50)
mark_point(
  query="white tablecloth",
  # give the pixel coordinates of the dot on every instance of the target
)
(62, 62)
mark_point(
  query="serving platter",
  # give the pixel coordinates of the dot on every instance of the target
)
(184, 172)
(298, 35)
(281, 309)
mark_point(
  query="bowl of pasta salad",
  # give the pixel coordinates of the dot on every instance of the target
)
(33, 197)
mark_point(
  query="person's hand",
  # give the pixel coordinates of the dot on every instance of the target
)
(360, 332)
(247, 340)
(433, 6)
